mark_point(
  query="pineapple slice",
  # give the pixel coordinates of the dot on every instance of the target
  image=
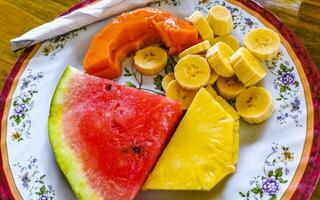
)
(235, 115)
(236, 138)
(199, 155)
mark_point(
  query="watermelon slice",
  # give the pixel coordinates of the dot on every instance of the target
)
(106, 137)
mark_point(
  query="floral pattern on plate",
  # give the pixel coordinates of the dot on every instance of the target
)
(275, 171)
(33, 181)
(169, 2)
(288, 87)
(22, 104)
(56, 44)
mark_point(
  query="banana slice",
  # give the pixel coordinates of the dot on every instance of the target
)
(166, 80)
(195, 49)
(150, 60)
(247, 67)
(230, 40)
(264, 43)
(255, 105)
(202, 25)
(220, 20)
(192, 72)
(213, 77)
(176, 92)
(218, 57)
(229, 88)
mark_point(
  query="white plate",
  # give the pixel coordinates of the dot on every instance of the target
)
(270, 159)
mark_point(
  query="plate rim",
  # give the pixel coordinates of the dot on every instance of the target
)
(311, 173)
(6, 192)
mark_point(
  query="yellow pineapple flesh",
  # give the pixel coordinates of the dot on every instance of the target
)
(235, 115)
(199, 155)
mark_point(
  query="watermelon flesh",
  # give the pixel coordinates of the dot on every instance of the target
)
(107, 137)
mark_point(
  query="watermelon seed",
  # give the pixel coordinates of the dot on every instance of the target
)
(117, 106)
(108, 87)
(136, 149)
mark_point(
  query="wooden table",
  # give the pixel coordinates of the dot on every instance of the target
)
(18, 16)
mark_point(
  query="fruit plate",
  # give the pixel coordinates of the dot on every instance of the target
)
(277, 160)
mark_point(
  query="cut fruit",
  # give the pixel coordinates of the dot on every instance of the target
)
(195, 49)
(218, 57)
(230, 87)
(166, 80)
(235, 142)
(220, 20)
(176, 92)
(102, 140)
(192, 72)
(255, 105)
(264, 43)
(199, 155)
(150, 60)
(202, 25)
(230, 40)
(132, 31)
(247, 67)
(235, 115)
(213, 77)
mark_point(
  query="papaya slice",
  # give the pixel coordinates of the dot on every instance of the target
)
(114, 67)
(134, 30)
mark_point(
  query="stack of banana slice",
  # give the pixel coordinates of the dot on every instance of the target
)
(219, 62)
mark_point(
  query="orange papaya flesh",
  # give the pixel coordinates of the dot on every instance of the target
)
(132, 31)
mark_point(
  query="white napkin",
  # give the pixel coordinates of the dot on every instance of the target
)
(76, 19)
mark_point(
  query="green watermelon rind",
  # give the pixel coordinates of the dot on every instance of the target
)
(67, 160)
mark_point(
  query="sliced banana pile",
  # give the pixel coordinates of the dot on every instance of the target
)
(255, 105)
(192, 72)
(196, 49)
(150, 60)
(213, 77)
(218, 57)
(229, 88)
(220, 20)
(218, 63)
(166, 80)
(201, 24)
(176, 92)
(263, 43)
(247, 67)
(230, 40)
